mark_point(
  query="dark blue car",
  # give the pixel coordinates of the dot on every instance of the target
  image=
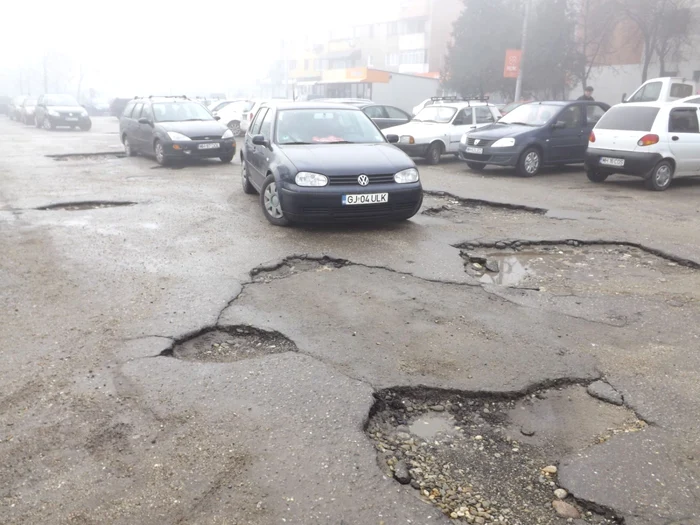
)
(320, 162)
(534, 135)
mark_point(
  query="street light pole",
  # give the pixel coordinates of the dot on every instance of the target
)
(519, 82)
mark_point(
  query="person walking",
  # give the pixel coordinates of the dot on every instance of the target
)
(587, 94)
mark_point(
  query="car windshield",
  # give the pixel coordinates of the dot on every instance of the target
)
(441, 114)
(180, 112)
(326, 126)
(531, 114)
(221, 105)
(61, 100)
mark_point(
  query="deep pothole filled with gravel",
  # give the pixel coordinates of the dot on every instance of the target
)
(294, 265)
(229, 344)
(488, 460)
(574, 267)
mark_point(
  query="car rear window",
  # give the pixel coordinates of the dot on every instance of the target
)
(681, 90)
(628, 118)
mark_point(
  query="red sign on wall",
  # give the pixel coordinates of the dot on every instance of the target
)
(512, 67)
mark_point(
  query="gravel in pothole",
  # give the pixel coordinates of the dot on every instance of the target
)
(464, 210)
(493, 461)
(293, 266)
(222, 345)
(568, 268)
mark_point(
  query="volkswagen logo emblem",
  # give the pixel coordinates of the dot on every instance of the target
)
(477, 141)
(363, 180)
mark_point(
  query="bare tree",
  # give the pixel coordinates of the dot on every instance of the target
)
(663, 28)
(596, 23)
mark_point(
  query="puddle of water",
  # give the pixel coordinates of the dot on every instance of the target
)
(511, 272)
(429, 426)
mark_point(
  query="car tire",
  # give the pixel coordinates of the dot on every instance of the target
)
(47, 124)
(86, 127)
(128, 148)
(235, 127)
(159, 152)
(476, 167)
(270, 204)
(529, 163)
(248, 188)
(661, 176)
(596, 176)
(227, 159)
(37, 122)
(434, 153)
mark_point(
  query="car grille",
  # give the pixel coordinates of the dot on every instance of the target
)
(208, 137)
(369, 211)
(472, 156)
(352, 179)
(482, 142)
(69, 114)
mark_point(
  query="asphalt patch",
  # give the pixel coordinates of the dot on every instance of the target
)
(492, 459)
(85, 205)
(229, 344)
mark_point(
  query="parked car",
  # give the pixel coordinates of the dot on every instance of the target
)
(97, 107)
(250, 113)
(15, 109)
(5, 105)
(232, 115)
(657, 142)
(174, 128)
(314, 161)
(218, 104)
(54, 111)
(116, 107)
(534, 135)
(438, 128)
(383, 116)
(664, 89)
(27, 110)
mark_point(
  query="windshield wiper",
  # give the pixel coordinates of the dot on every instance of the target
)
(194, 120)
(519, 123)
(339, 142)
(296, 143)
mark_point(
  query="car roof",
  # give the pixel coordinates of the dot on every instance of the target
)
(285, 104)
(687, 100)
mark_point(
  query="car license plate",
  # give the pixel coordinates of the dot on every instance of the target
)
(71, 119)
(368, 198)
(213, 145)
(609, 161)
(478, 151)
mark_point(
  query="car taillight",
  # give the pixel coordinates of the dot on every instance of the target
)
(591, 137)
(250, 116)
(648, 140)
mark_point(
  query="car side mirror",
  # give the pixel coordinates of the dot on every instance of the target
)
(392, 139)
(624, 98)
(143, 120)
(559, 124)
(260, 140)
(217, 117)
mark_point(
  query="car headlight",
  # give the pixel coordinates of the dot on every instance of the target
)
(407, 139)
(228, 134)
(174, 135)
(53, 113)
(463, 140)
(304, 178)
(406, 176)
(503, 143)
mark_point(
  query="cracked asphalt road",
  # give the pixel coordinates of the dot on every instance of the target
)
(95, 427)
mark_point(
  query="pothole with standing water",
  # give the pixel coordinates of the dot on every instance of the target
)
(85, 205)
(574, 266)
(228, 344)
(489, 460)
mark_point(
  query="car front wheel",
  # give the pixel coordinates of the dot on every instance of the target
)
(270, 202)
(245, 182)
(47, 124)
(661, 176)
(434, 153)
(476, 167)
(85, 126)
(159, 151)
(596, 176)
(235, 127)
(128, 149)
(529, 163)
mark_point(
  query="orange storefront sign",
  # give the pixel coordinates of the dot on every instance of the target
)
(512, 66)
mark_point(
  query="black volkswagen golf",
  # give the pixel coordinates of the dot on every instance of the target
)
(316, 162)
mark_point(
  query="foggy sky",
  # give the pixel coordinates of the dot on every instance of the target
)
(130, 47)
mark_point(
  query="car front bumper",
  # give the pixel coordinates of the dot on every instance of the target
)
(326, 204)
(190, 149)
(413, 150)
(493, 156)
(637, 163)
(62, 120)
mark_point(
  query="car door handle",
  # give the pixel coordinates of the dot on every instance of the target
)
(674, 137)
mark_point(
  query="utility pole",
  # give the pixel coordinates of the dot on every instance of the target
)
(46, 76)
(519, 82)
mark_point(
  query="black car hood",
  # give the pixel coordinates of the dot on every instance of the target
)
(499, 131)
(345, 159)
(195, 128)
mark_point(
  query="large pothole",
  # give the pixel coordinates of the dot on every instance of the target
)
(576, 267)
(458, 210)
(481, 459)
(232, 343)
(295, 264)
(106, 155)
(85, 205)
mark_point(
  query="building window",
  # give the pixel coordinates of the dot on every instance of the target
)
(392, 28)
(317, 64)
(306, 65)
(412, 25)
(392, 59)
(292, 65)
(417, 56)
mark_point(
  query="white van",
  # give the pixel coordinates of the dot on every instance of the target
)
(665, 89)
(655, 141)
